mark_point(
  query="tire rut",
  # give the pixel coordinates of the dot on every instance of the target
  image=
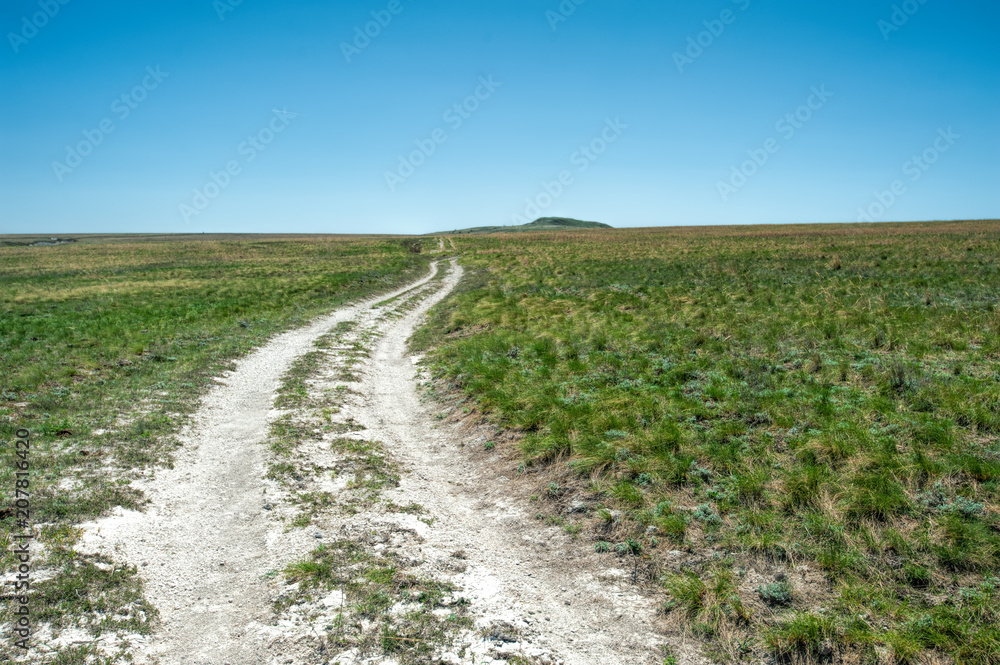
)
(207, 543)
(219, 529)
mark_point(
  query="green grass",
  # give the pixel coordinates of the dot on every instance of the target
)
(781, 396)
(765, 398)
(106, 346)
(372, 584)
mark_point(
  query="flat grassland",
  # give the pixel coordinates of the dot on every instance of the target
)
(106, 344)
(796, 428)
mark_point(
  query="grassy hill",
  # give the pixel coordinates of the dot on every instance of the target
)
(540, 224)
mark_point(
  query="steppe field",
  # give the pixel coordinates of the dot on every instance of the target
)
(757, 444)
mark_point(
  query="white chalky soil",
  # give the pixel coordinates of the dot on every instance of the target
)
(208, 545)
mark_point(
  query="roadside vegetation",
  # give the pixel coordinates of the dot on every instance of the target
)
(796, 429)
(106, 345)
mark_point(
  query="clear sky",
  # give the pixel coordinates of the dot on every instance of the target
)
(284, 116)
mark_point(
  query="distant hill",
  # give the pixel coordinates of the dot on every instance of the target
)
(540, 224)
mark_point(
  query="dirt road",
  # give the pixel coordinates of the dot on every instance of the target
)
(217, 531)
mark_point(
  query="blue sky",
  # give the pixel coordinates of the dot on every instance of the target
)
(227, 115)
